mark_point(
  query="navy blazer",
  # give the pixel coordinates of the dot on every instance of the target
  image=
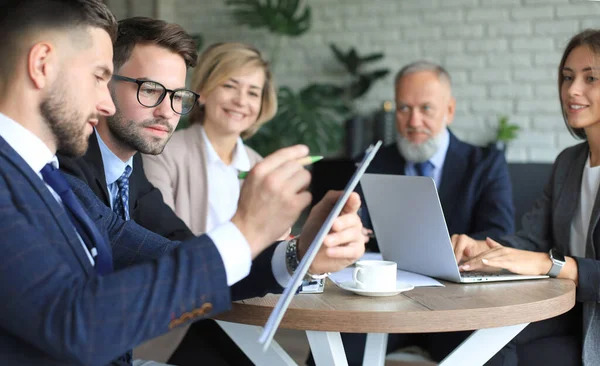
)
(475, 189)
(56, 310)
(148, 209)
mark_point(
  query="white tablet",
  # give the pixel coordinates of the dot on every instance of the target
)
(284, 301)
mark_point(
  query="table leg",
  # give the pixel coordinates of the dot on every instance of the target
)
(327, 348)
(375, 349)
(482, 345)
(246, 337)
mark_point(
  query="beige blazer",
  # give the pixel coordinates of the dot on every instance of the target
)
(180, 175)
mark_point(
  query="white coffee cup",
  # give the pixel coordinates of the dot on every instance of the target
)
(375, 275)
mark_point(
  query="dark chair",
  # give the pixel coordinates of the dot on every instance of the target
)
(328, 174)
(528, 181)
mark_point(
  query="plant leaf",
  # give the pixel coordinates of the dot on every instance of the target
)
(372, 57)
(281, 17)
(312, 116)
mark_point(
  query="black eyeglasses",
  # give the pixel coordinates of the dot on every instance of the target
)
(150, 94)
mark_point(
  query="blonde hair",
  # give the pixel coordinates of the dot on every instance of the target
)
(218, 63)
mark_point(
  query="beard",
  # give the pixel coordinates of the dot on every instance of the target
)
(418, 153)
(67, 126)
(127, 134)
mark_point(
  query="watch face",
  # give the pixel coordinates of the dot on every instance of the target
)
(557, 255)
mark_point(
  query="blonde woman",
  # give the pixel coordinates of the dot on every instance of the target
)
(197, 171)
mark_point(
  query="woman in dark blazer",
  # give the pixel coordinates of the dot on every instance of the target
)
(560, 235)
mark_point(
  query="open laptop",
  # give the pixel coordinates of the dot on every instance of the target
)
(411, 230)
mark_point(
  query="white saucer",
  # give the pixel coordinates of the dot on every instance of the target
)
(400, 287)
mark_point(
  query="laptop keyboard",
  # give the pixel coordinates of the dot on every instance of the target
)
(482, 274)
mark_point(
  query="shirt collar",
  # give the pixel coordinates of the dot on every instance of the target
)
(113, 165)
(30, 147)
(440, 155)
(240, 160)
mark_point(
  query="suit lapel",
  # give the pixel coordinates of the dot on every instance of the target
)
(568, 200)
(133, 182)
(400, 166)
(453, 171)
(200, 173)
(387, 161)
(93, 157)
(592, 245)
(59, 214)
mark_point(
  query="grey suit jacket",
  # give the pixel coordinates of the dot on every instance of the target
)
(548, 225)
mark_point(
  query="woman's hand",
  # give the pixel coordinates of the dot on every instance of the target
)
(465, 247)
(514, 260)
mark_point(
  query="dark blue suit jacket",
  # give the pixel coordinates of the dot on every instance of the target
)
(55, 310)
(148, 209)
(475, 190)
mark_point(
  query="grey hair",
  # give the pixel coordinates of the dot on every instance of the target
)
(423, 65)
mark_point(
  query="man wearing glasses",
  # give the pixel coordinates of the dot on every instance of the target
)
(150, 59)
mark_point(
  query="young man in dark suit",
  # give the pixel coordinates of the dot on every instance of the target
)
(473, 182)
(161, 53)
(81, 285)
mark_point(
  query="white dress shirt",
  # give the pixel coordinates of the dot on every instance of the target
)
(35, 153)
(224, 193)
(437, 160)
(581, 221)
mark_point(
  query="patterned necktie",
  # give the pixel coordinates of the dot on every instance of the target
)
(121, 206)
(425, 169)
(83, 224)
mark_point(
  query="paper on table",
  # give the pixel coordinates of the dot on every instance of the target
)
(414, 279)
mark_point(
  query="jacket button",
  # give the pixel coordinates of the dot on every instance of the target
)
(207, 308)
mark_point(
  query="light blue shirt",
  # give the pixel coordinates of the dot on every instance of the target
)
(113, 169)
(437, 159)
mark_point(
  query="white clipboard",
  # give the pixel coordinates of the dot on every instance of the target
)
(284, 301)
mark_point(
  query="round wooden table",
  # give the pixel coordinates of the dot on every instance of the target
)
(499, 310)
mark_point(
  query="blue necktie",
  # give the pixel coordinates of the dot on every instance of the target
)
(424, 169)
(121, 207)
(80, 219)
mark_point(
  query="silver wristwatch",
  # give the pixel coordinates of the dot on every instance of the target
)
(292, 262)
(291, 255)
(558, 262)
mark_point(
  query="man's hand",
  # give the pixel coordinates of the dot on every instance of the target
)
(344, 244)
(286, 235)
(515, 260)
(272, 197)
(465, 247)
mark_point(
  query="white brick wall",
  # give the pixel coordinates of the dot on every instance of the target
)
(502, 54)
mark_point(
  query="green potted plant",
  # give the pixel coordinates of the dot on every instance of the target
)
(505, 133)
(313, 115)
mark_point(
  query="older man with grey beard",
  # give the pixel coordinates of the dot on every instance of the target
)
(473, 182)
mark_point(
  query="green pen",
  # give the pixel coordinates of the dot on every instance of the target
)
(304, 161)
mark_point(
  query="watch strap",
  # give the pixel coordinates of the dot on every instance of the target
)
(557, 265)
